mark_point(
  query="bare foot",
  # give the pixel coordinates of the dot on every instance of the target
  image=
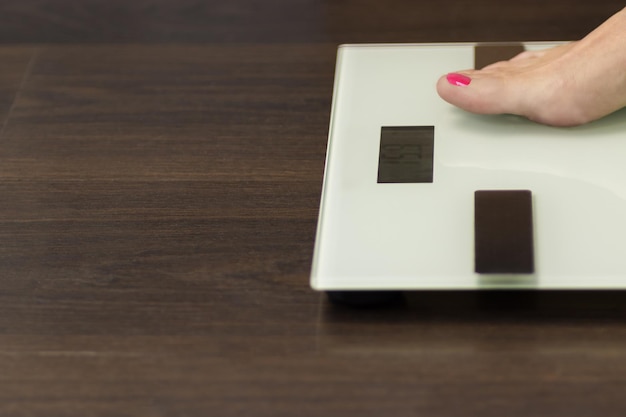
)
(568, 85)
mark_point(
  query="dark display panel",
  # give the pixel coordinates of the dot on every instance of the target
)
(406, 154)
(503, 231)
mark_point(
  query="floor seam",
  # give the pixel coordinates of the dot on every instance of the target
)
(25, 77)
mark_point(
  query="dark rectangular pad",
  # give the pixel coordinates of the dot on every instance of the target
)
(486, 54)
(503, 232)
(406, 154)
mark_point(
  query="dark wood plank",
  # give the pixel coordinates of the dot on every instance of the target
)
(134, 184)
(230, 112)
(460, 20)
(161, 161)
(363, 364)
(298, 20)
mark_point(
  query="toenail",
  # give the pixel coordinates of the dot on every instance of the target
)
(458, 79)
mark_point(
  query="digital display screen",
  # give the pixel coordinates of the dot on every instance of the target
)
(406, 154)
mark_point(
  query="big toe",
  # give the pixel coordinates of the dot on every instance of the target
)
(476, 93)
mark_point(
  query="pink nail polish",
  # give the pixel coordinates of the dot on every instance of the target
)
(458, 79)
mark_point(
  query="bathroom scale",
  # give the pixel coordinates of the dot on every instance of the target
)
(421, 195)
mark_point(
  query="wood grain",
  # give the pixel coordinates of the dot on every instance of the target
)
(13, 71)
(160, 172)
(246, 111)
(279, 21)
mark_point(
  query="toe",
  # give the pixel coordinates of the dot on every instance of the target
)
(482, 94)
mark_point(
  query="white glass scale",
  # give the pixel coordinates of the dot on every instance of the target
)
(399, 208)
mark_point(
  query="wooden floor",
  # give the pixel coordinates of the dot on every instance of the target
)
(161, 165)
